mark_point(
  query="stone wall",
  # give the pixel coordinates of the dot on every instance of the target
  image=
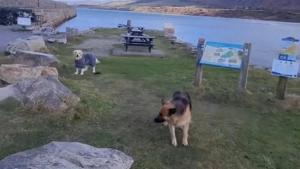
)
(56, 17)
(55, 13)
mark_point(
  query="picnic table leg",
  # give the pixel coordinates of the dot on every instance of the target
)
(149, 48)
(126, 48)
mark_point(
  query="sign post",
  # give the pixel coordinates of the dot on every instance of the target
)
(199, 68)
(244, 69)
(286, 66)
(226, 55)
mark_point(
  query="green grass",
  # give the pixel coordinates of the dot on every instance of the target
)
(228, 131)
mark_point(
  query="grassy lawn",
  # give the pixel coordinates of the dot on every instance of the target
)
(228, 131)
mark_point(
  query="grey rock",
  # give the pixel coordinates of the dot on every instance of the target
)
(6, 92)
(48, 31)
(14, 73)
(45, 92)
(177, 41)
(35, 59)
(18, 44)
(170, 36)
(72, 33)
(33, 43)
(57, 40)
(67, 155)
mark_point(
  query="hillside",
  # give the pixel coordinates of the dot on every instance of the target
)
(270, 4)
(275, 10)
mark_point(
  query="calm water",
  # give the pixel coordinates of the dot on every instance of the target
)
(265, 36)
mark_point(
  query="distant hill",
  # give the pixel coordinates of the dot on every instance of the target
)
(276, 10)
(270, 4)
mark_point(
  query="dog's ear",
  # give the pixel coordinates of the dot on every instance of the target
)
(172, 111)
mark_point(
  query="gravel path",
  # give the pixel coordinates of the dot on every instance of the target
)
(7, 36)
(99, 47)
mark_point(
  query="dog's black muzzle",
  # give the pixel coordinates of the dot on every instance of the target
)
(159, 120)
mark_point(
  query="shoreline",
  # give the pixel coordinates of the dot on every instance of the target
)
(263, 15)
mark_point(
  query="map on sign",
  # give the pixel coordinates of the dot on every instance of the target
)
(223, 55)
(289, 49)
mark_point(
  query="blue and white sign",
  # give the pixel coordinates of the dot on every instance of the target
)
(289, 49)
(286, 64)
(223, 55)
(285, 68)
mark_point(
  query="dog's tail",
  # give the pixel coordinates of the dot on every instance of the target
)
(97, 61)
(190, 101)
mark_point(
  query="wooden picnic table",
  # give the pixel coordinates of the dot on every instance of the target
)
(136, 31)
(132, 40)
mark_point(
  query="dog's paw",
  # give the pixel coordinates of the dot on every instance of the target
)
(166, 123)
(185, 143)
(174, 143)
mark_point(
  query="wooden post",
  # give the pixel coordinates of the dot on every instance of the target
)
(280, 93)
(199, 68)
(128, 23)
(244, 69)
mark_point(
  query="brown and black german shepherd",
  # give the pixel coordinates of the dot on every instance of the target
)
(176, 113)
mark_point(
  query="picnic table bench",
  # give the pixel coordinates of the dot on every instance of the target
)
(136, 31)
(132, 40)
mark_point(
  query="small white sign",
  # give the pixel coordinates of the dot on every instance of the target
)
(168, 25)
(24, 21)
(285, 68)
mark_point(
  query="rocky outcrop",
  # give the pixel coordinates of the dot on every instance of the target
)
(33, 43)
(68, 155)
(16, 72)
(46, 93)
(35, 59)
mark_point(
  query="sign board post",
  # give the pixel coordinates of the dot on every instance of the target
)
(286, 66)
(199, 68)
(244, 69)
(232, 56)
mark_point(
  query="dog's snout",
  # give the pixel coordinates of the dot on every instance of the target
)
(159, 120)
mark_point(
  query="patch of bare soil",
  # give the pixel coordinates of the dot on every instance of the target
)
(291, 101)
(99, 46)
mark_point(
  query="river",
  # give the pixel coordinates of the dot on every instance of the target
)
(265, 36)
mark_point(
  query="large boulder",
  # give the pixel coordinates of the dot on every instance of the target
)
(15, 73)
(67, 155)
(42, 92)
(33, 43)
(72, 33)
(35, 59)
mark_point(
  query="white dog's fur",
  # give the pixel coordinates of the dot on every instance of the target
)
(77, 55)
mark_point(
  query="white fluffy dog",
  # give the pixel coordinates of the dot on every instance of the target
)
(82, 61)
